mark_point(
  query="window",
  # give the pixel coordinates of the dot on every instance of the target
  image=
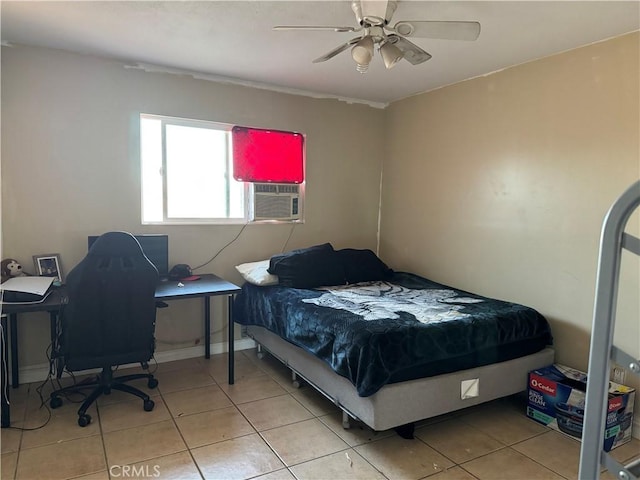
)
(188, 173)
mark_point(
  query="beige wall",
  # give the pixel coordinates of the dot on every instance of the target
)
(70, 169)
(499, 185)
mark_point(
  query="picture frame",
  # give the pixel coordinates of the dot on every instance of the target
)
(48, 265)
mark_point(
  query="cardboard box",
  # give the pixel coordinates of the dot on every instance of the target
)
(556, 399)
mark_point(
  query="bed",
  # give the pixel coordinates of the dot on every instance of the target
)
(390, 348)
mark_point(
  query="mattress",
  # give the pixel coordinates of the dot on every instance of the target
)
(384, 332)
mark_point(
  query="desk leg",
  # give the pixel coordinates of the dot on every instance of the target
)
(207, 327)
(53, 328)
(6, 416)
(55, 366)
(231, 339)
(13, 331)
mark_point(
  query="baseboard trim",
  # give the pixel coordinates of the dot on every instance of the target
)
(39, 373)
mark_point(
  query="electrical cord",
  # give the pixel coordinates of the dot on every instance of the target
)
(43, 403)
(53, 377)
(5, 392)
(54, 374)
(5, 367)
(71, 397)
(235, 238)
(54, 347)
(220, 251)
(197, 340)
(293, 227)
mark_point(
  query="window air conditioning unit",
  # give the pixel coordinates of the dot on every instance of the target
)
(276, 201)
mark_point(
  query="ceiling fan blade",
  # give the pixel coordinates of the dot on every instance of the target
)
(337, 50)
(412, 53)
(442, 30)
(317, 27)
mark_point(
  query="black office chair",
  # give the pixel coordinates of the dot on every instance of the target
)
(109, 319)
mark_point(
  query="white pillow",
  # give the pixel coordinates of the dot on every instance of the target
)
(256, 273)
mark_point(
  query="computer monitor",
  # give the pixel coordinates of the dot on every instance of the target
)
(154, 246)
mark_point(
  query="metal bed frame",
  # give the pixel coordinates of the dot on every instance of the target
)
(612, 241)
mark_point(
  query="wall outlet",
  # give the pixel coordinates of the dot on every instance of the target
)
(618, 374)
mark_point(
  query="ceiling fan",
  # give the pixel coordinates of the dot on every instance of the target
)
(373, 17)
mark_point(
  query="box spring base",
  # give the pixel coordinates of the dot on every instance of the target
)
(402, 403)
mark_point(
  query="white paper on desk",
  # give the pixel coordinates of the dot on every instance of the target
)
(34, 285)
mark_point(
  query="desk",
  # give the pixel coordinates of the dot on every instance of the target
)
(208, 286)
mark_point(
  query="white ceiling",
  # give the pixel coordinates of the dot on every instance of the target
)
(234, 39)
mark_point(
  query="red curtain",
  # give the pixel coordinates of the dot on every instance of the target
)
(267, 155)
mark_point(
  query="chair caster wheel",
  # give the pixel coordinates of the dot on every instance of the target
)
(148, 405)
(84, 420)
(55, 402)
(152, 383)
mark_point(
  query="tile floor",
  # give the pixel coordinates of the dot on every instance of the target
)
(263, 428)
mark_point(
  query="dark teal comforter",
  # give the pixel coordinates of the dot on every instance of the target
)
(376, 333)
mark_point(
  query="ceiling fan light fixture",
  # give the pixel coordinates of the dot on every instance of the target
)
(362, 53)
(391, 54)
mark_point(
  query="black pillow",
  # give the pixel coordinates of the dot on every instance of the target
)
(310, 267)
(282, 261)
(363, 266)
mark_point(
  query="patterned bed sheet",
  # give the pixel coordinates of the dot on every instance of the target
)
(409, 327)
